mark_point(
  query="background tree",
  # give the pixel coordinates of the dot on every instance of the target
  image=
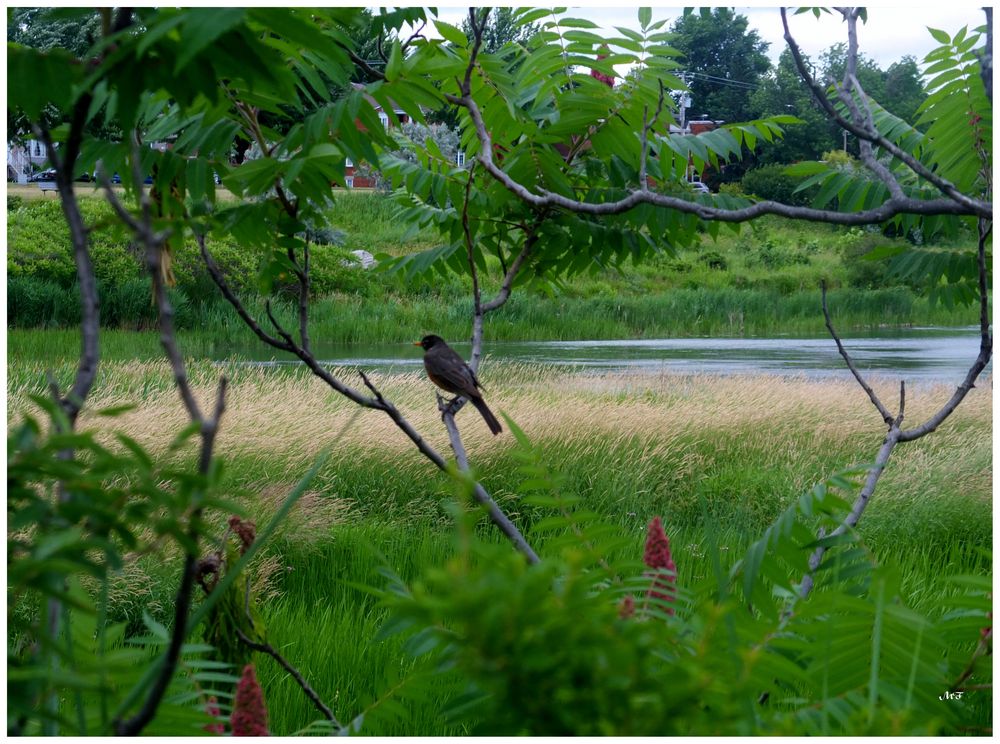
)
(502, 27)
(724, 60)
(72, 29)
(783, 92)
(904, 93)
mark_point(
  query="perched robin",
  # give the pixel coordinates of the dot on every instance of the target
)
(448, 371)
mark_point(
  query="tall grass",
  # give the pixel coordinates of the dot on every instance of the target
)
(630, 445)
(214, 329)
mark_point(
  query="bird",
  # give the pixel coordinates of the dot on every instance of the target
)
(448, 371)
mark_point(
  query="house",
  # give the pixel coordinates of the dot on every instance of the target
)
(23, 159)
(356, 175)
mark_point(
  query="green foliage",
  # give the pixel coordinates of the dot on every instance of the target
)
(771, 182)
(784, 92)
(71, 519)
(720, 44)
(957, 113)
(551, 649)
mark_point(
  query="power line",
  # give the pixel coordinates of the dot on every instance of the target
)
(715, 80)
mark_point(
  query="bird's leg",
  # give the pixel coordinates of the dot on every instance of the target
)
(444, 403)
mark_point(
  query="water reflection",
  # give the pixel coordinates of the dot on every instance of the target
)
(918, 354)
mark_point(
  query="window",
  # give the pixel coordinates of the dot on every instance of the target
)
(348, 163)
(384, 118)
(349, 182)
(460, 159)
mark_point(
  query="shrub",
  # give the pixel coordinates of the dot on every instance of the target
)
(714, 260)
(38, 244)
(775, 256)
(770, 183)
(34, 303)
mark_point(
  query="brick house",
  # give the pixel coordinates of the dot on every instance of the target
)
(366, 180)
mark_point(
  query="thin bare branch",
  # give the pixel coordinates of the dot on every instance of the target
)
(985, 348)
(220, 281)
(477, 43)
(647, 126)
(277, 326)
(898, 421)
(496, 514)
(477, 300)
(531, 239)
(886, 416)
(182, 601)
(983, 648)
(858, 508)
(418, 34)
(368, 69)
(268, 649)
(64, 164)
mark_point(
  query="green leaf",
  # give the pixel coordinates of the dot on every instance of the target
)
(36, 79)
(940, 36)
(645, 17)
(395, 63)
(452, 34)
(203, 26)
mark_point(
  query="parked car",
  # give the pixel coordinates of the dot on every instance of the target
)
(698, 187)
(45, 175)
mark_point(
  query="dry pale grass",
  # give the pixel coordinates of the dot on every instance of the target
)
(292, 417)
(277, 421)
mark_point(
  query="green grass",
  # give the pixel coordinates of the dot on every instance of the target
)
(761, 281)
(630, 449)
(397, 319)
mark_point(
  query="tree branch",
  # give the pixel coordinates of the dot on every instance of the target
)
(153, 244)
(985, 348)
(871, 480)
(220, 281)
(887, 210)
(379, 402)
(268, 649)
(86, 371)
(479, 493)
(647, 126)
(886, 416)
(971, 206)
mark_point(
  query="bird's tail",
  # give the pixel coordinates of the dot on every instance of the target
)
(487, 414)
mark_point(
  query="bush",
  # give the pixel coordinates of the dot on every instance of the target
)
(239, 265)
(714, 260)
(770, 183)
(38, 244)
(34, 303)
(774, 256)
(863, 273)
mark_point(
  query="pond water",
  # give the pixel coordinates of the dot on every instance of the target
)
(927, 354)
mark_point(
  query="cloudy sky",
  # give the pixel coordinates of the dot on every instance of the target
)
(893, 30)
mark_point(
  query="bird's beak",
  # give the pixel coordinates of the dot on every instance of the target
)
(417, 343)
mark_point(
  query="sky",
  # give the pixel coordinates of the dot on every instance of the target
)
(893, 29)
